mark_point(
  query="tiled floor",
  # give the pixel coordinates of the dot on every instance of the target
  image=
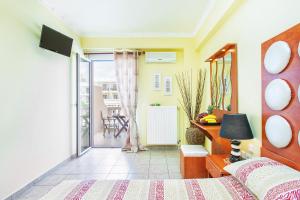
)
(99, 163)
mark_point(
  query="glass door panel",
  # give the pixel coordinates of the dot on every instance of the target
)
(83, 105)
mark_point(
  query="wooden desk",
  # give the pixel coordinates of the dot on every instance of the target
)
(218, 145)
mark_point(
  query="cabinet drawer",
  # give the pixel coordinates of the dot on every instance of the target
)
(212, 169)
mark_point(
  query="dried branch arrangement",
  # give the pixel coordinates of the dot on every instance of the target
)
(184, 81)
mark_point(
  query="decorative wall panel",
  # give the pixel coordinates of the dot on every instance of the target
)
(280, 60)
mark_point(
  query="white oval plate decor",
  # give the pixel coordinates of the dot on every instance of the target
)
(278, 94)
(299, 49)
(299, 93)
(299, 138)
(278, 131)
(277, 57)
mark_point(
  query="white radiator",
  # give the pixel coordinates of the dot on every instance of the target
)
(162, 125)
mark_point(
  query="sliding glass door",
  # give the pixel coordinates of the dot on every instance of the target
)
(83, 105)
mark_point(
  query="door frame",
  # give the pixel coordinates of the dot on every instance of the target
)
(92, 78)
(78, 137)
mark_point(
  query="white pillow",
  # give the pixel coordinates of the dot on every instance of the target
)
(266, 178)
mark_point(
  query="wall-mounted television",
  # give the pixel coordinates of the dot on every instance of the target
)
(56, 41)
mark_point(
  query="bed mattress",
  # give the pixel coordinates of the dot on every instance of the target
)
(179, 189)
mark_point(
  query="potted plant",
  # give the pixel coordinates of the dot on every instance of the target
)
(210, 109)
(192, 107)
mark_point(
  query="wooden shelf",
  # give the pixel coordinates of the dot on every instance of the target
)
(219, 145)
(212, 132)
(222, 52)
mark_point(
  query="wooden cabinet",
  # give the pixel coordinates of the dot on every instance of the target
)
(192, 161)
(192, 167)
(215, 164)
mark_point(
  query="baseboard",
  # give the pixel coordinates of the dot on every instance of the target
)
(163, 147)
(26, 187)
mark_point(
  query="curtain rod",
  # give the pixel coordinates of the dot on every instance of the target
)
(116, 51)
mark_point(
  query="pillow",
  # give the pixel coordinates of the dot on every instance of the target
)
(266, 178)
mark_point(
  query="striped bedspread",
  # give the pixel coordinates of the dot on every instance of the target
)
(193, 189)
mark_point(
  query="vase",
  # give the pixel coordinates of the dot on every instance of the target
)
(194, 136)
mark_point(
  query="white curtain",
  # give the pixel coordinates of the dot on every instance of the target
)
(126, 73)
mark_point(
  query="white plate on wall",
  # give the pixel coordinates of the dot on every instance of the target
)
(277, 57)
(278, 131)
(278, 94)
(299, 138)
(299, 93)
(299, 49)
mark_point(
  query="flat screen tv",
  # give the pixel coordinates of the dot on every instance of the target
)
(56, 41)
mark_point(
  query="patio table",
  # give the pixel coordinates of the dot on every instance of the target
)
(123, 121)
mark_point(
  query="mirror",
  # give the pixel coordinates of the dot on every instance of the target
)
(227, 82)
(223, 80)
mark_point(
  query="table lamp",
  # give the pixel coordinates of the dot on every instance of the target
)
(235, 127)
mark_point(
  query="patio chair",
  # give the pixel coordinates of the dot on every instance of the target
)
(109, 123)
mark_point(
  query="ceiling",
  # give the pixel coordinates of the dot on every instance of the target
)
(132, 18)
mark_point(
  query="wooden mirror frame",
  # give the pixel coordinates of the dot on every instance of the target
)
(232, 48)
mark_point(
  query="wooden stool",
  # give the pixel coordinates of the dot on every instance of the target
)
(192, 161)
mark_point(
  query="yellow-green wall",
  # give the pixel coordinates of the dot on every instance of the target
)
(186, 61)
(146, 95)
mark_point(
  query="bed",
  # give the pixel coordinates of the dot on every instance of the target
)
(255, 178)
(193, 189)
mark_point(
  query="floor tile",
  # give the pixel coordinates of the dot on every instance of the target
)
(140, 169)
(175, 176)
(158, 161)
(123, 162)
(62, 170)
(158, 154)
(35, 192)
(174, 168)
(173, 161)
(114, 176)
(158, 169)
(138, 176)
(51, 180)
(120, 169)
(158, 176)
(85, 176)
(142, 160)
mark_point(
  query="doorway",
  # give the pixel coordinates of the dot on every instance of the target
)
(106, 106)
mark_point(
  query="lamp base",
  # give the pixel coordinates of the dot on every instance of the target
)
(235, 151)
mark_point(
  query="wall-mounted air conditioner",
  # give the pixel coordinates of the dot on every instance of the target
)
(160, 57)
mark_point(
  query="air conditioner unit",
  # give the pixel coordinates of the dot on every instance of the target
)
(160, 57)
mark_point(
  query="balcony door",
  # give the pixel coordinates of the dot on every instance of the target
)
(107, 130)
(84, 93)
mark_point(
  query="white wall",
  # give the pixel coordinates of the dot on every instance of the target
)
(35, 93)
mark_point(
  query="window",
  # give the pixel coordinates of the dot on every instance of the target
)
(104, 87)
(105, 77)
(114, 87)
